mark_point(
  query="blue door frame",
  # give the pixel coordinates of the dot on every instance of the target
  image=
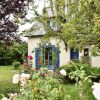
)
(54, 50)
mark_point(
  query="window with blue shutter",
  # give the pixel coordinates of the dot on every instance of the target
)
(47, 56)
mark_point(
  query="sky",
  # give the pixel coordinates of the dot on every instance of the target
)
(40, 5)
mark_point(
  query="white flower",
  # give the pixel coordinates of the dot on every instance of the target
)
(63, 72)
(96, 90)
(16, 78)
(24, 78)
(5, 98)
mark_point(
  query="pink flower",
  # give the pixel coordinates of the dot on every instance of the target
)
(30, 57)
(25, 64)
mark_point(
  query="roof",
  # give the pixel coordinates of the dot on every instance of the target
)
(37, 30)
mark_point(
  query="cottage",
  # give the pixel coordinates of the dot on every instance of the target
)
(52, 55)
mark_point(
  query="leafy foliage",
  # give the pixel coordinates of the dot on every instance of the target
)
(76, 22)
(16, 65)
(9, 54)
(10, 11)
(77, 70)
(42, 86)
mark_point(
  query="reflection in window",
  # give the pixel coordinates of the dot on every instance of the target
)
(45, 56)
(86, 52)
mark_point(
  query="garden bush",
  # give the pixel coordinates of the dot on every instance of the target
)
(95, 74)
(92, 72)
(42, 86)
(15, 52)
(71, 67)
(5, 60)
(16, 65)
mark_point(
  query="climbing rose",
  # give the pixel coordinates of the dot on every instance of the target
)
(63, 72)
(30, 57)
(96, 90)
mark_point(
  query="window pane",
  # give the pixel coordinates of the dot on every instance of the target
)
(50, 56)
(46, 56)
(86, 52)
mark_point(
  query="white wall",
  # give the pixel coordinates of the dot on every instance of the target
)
(64, 56)
(95, 61)
(32, 44)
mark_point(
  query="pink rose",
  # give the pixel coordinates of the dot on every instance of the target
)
(30, 57)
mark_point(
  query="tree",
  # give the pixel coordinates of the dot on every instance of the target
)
(10, 11)
(76, 22)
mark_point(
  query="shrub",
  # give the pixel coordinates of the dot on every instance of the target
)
(95, 73)
(16, 64)
(5, 61)
(73, 67)
(42, 87)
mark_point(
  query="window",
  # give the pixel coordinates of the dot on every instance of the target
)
(74, 54)
(86, 52)
(47, 56)
(53, 25)
(44, 56)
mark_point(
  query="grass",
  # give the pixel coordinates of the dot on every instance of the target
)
(6, 73)
(73, 92)
(6, 85)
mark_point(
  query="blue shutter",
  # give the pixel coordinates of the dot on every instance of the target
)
(56, 51)
(37, 53)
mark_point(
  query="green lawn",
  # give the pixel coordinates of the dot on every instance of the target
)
(6, 73)
(6, 85)
(73, 91)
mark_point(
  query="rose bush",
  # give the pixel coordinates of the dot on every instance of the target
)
(22, 79)
(41, 86)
